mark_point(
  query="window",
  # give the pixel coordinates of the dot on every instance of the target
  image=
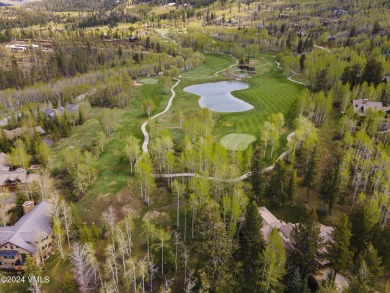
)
(12, 247)
(8, 257)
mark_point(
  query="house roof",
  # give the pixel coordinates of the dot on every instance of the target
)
(269, 222)
(19, 174)
(24, 233)
(11, 134)
(284, 230)
(53, 112)
(360, 106)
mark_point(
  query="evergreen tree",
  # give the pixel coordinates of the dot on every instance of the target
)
(251, 242)
(257, 176)
(338, 250)
(292, 185)
(373, 72)
(279, 183)
(300, 47)
(330, 183)
(215, 248)
(374, 265)
(381, 241)
(302, 62)
(296, 284)
(20, 200)
(363, 220)
(306, 241)
(359, 280)
(311, 171)
(69, 284)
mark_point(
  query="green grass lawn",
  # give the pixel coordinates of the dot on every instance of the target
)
(211, 64)
(269, 92)
(237, 141)
(149, 80)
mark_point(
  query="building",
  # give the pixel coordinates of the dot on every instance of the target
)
(270, 222)
(61, 110)
(15, 133)
(361, 106)
(31, 235)
(9, 178)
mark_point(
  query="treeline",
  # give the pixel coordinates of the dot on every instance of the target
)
(23, 18)
(70, 59)
(78, 5)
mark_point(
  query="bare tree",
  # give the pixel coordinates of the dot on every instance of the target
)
(84, 273)
(35, 286)
(111, 264)
(5, 207)
(109, 218)
(45, 184)
(68, 220)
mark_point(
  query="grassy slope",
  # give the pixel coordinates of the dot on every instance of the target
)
(211, 64)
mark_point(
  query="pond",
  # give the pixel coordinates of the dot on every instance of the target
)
(218, 98)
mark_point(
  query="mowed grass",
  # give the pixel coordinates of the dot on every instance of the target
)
(269, 92)
(149, 80)
(237, 141)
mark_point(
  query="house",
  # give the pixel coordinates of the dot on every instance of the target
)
(15, 133)
(284, 229)
(31, 235)
(61, 110)
(361, 106)
(8, 178)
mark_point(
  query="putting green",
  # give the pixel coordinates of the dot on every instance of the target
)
(149, 80)
(237, 141)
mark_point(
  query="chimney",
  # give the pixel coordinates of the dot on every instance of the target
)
(365, 101)
(28, 206)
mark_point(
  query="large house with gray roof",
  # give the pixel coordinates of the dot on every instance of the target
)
(31, 235)
(361, 106)
(284, 229)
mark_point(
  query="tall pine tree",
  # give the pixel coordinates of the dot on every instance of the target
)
(252, 243)
(257, 177)
(338, 249)
(306, 241)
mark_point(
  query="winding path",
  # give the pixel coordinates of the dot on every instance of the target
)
(291, 76)
(143, 126)
(226, 180)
